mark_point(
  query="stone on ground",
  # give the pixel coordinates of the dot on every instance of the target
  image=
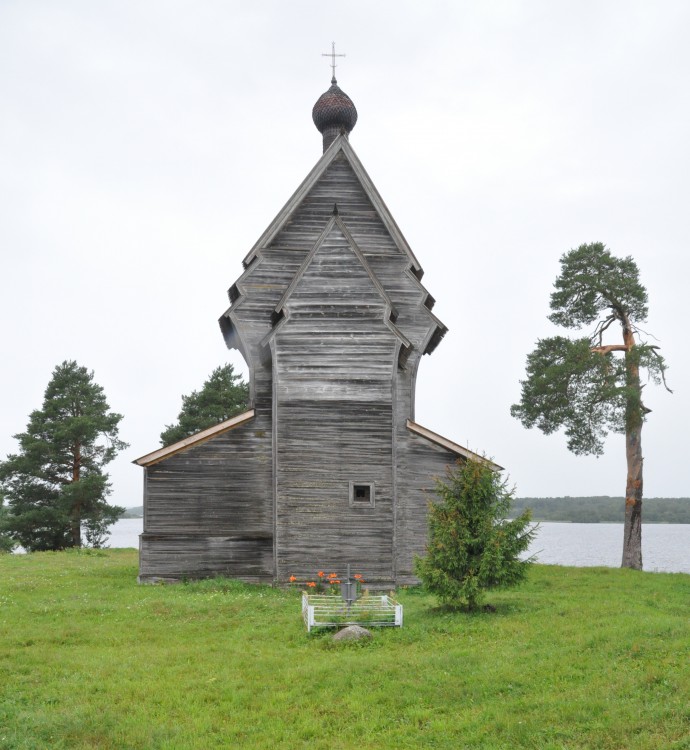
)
(352, 633)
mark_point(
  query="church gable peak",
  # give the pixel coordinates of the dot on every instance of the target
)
(313, 188)
(337, 188)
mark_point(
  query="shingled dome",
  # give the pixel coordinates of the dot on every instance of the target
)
(334, 113)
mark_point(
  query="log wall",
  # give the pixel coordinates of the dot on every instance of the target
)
(208, 510)
(419, 464)
(334, 357)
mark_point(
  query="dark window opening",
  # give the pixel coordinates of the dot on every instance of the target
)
(362, 494)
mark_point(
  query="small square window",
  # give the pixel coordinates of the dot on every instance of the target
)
(362, 495)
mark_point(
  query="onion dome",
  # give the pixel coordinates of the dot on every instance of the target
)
(333, 114)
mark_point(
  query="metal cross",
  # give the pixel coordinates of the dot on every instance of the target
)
(332, 55)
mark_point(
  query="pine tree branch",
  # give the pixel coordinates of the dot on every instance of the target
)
(609, 348)
(602, 326)
(662, 368)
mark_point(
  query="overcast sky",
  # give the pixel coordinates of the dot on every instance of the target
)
(146, 145)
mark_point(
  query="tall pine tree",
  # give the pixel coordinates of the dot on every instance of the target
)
(589, 386)
(55, 484)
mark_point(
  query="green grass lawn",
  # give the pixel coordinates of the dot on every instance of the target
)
(576, 658)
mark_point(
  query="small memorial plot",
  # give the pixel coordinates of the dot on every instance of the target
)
(346, 603)
(370, 610)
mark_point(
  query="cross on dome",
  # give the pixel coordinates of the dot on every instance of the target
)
(332, 54)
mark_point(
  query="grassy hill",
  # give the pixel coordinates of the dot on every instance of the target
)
(576, 658)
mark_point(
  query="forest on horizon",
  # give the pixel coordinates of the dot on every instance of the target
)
(603, 509)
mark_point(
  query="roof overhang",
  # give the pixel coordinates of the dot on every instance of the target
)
(449, 445)
(193, 440)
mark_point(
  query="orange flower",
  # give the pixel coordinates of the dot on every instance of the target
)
(311, 584)
(333, 580)
(332, 575)
(292, 579)
(357, 576)
(320, 574)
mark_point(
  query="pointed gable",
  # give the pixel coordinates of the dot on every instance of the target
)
(334, 330)
(271, 265)
(338, 167)
(336, 267)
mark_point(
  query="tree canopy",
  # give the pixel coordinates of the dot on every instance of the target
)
(588, 386)
(222, 396)
(55, 484)
(473, 547)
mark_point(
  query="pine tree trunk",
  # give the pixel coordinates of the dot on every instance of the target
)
(75, 529)
(632, 530)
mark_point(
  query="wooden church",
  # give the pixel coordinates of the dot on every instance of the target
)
(328, 466)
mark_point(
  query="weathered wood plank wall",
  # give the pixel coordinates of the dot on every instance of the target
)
(419, 463)
(334, 357)
(209, 510)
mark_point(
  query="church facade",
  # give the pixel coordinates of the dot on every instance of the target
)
(328, 466)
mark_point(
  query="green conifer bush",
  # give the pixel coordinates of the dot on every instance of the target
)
(472, 546)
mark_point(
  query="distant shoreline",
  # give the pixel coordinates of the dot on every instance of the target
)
(603, 509)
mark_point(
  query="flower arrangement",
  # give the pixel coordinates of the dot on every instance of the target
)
(325, 583)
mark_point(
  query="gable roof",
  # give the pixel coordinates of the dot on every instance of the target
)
(339, 145)
(333, 222)
(193, 440)
(340, 152)
(449, 445)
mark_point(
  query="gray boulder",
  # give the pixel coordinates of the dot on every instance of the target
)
(352, 633)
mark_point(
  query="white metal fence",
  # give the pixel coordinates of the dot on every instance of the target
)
(330, 611)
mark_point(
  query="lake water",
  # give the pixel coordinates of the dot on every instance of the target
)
(665, 546)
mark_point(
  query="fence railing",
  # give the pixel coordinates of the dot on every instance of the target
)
(330, 611)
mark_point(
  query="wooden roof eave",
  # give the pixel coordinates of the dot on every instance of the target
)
(449, 445)
(434, 337)
(193, 440)
(232, 335)
(236, 293)
(409, 272)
